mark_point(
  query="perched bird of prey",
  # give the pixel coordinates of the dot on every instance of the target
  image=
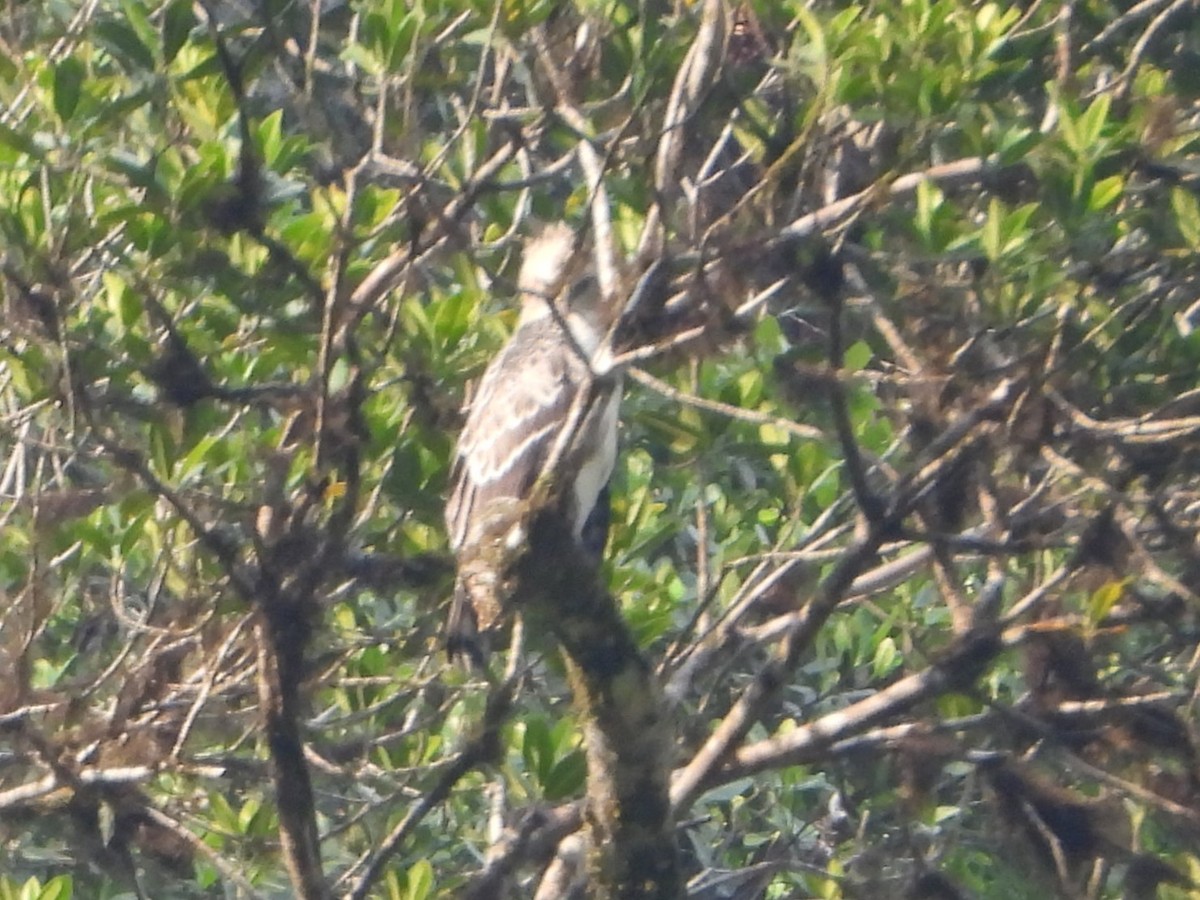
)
(538, 405)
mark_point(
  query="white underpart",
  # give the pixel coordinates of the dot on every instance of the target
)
(598, 468)
(587, 337)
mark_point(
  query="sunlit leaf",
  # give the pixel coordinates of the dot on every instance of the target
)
(1102, 601)
(857, 356)
(929, 199)
(60, 887)
(419, 882)
(1106, 192)
(886, 658)
(1187, 215)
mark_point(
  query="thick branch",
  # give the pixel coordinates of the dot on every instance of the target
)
(956, 671)
(633, 851)
(281, 645)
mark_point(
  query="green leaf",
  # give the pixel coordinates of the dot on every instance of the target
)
(8, 68)
(887, 657)
(178, 22)
(358, 55)
(270, 136)
(727, 792)
(1081, 133)
(419, 880)
(121, 299)
(119, 108)
(816, 51)
(247, 813)
(46, 673)
(9, 137)
(140, 173)
(1187, 215)
(750, 388)
(1068, 126)
(125, 46)
(68, 84)
(162, 449)
(990, 236)
(1017, 143)
(566, 777)
(138, 18)
(223, 816)
(132, 533)
(1105, 192)
(857, 356)
(537, 748)
(60, 887)
(1092, 122)
(206, 874)
(1102, 601)
(929, 200)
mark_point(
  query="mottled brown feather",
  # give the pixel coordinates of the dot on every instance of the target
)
(513, 423)
(525, 399)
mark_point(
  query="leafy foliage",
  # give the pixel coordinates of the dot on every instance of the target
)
(909, 479)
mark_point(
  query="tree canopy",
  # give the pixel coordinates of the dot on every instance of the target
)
(901, 591)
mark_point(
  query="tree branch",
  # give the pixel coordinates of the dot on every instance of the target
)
(633, 852)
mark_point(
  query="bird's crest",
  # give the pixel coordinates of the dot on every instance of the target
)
(548, 259)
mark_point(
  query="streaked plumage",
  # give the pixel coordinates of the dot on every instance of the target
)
(526, 398)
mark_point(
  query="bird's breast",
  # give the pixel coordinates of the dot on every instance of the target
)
(596, 467)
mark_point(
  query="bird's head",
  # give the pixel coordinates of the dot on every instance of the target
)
(551, 259)
(556, 272)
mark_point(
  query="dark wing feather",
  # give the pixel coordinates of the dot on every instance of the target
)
(593, 536)
(523, 401)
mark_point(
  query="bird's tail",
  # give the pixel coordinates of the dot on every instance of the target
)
(464, 643)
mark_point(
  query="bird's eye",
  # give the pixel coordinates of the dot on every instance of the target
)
(584, 287)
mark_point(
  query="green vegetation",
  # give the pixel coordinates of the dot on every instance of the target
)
(906, 524)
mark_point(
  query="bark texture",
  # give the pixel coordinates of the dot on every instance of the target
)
(633, 851)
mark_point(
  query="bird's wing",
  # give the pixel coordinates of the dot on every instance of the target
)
(524, 400)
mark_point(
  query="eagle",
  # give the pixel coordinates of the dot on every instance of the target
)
(539, 404)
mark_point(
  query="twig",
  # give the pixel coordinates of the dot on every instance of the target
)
(795, 429)
(482, 748)
(722, 743)
(959, 172)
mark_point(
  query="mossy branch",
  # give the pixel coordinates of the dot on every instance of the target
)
(633, 852)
